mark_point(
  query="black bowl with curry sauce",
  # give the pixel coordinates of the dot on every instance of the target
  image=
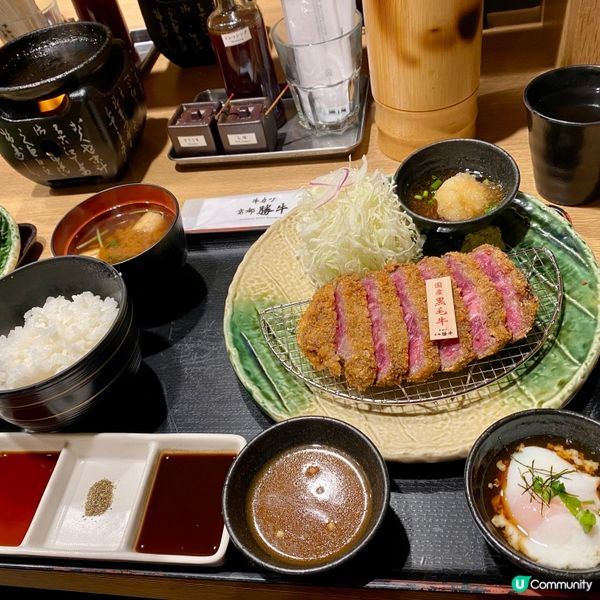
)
(423, 172)
(305, 496)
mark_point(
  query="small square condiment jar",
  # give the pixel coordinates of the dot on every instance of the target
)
(193, 129)
(244, 126)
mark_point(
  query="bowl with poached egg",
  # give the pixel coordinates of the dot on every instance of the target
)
(532, 483)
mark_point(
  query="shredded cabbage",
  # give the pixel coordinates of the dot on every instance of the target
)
(351, 222)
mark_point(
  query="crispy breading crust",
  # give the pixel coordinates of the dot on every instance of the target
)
(360, 368)
(317, 329)
(395, 329)
(528, 301)
(416, 296)
(336, 333)
(466, 355)
(494, 314)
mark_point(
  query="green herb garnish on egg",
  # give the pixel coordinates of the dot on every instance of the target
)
(586, 518)
(545, 485)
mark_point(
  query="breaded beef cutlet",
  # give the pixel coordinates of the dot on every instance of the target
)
(375, 330)
(317, 331)
(483, 303)
(390, 336)
(354, 339)
(457, 353)
(520, 303)
(423, 354)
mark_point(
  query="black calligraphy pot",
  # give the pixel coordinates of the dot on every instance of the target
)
(178, 29)
(72, 105)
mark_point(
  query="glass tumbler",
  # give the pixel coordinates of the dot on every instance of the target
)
(32, 16)
(324, 77)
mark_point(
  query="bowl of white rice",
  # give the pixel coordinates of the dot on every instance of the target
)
(67, 335)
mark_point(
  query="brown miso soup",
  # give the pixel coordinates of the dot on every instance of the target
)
(309, 505)
(471, 198)
(123, 232)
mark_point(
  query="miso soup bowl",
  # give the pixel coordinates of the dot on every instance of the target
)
(60, 400)
(334, 435)
(458, 155)
(145, 273)
(480, 469)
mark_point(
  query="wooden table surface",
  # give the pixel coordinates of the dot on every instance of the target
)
(501, 120)
(509, 61)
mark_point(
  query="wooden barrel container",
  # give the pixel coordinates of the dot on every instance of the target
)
(424, 60)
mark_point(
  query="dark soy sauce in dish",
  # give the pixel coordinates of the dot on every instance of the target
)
(24, 477)
(183, 513)
(309, 505)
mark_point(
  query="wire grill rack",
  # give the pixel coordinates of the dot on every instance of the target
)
(279, 323)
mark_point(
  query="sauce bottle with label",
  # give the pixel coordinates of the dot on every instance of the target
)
(237, 32)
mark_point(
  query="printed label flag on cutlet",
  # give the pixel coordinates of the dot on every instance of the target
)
(440, 309)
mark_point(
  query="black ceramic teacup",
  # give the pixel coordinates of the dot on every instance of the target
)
(563, 118)
(178, 29)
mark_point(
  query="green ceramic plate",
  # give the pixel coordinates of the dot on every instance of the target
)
(10, 242)
(271, 274)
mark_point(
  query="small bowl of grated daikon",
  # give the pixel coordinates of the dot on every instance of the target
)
(456, 185)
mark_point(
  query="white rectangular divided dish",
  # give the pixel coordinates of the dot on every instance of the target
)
(67, 524)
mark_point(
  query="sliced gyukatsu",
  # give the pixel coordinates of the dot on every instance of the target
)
(456, 353)
(389, 330)
(354, 340)
(520, 303)
(423, 355)
(317, 331)
(484, 304)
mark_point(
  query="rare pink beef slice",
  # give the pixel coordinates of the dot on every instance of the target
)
(423, 355)
(484, 304)
(388, 328)
(520, 303)
(455, 353)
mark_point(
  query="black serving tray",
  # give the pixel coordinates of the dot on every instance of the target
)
(186, 384)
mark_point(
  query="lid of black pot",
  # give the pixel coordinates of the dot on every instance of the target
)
(44, 61)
